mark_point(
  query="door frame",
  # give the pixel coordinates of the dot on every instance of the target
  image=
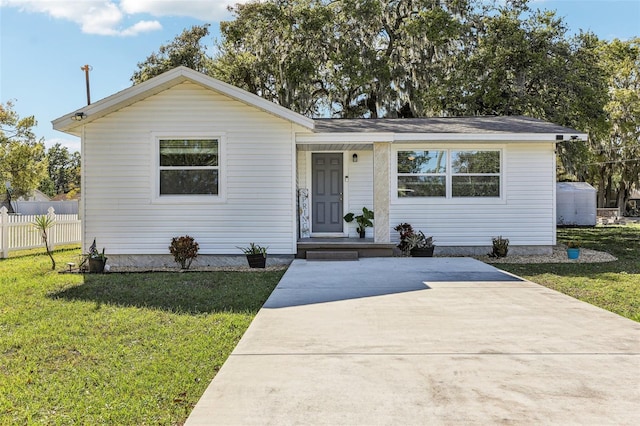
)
(345, 189)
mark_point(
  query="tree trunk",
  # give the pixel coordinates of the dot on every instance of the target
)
(623, 198)
(602, 199)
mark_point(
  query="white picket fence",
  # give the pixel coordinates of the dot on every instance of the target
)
(18, 233)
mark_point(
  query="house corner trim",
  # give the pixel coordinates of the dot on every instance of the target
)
(381, 190)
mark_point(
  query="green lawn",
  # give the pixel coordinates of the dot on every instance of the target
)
(117, 348)
(614, 286)
(141, 348)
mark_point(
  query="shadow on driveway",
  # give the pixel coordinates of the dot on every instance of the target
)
(313, 282)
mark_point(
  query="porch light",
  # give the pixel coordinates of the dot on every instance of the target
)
(355, 158)
(79, 116)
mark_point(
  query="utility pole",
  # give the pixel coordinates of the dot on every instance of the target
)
(86, 70)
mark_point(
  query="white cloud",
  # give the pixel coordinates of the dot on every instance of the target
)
(210, 10)
(93, 16)
(106, 17)
(71, 144)
(142, 27)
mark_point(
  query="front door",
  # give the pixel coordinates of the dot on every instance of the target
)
(326, 197)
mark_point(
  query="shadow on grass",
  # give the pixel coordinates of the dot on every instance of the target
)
(189, 293)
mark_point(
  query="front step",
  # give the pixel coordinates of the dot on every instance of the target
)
(332, 255)
(364, 247)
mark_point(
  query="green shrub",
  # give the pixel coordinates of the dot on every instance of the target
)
(184, 250)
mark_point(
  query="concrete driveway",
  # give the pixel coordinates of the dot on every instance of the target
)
(413, 341)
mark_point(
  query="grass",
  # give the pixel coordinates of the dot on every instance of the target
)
(142, 348)
(614, 286)
(118, 348)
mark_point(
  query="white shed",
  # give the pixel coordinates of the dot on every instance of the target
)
(575, 204)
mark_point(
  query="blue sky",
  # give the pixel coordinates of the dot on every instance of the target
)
(44, 43)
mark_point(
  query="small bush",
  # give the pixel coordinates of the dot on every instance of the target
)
(184, 250)
(500, 247)
(406, 232)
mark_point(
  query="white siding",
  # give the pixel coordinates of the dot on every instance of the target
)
(359, 189)
(302, 170)
(524, 214)
(119, 170)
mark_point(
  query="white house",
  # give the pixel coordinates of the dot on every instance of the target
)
(184, 153)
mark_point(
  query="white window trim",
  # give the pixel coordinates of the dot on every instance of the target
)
(449, 198)
(156, 198)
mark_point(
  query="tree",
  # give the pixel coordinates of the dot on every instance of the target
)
(276, 49)
(350, 58)
(63, 171)
(522, 63)
(615, 149)
(186, 49)
(22, 162)
(42, 224)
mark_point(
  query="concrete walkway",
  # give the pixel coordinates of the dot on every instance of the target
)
(414, 341)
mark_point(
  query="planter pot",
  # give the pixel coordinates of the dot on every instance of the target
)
(257, 260)
(573, 253)
(423, 252)
(362, 233)
(96, 266)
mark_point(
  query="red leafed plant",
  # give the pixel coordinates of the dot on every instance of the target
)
(184, 250)
(406, 231)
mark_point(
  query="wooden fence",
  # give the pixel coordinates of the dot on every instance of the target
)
(18, 233)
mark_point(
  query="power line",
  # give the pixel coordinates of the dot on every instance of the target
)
(628, 160)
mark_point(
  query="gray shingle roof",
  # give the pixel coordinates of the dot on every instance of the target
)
(486, 124)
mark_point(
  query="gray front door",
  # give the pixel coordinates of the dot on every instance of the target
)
(326, 198)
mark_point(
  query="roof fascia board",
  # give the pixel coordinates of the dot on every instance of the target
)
(365, 137)
(545, 137)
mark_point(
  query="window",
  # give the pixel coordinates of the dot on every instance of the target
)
(189, 167)
(475, 173)
(449, 173)
(422, 173)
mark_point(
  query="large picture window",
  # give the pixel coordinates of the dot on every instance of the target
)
(189, 166)
(449, 173)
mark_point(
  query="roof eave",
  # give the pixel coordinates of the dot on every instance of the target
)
(369, 137)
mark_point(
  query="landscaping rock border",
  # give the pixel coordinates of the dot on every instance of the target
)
(559, 255)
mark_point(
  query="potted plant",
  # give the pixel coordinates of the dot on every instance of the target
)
(256, 255)
(573, 250)
(363, 220)
(420, 245)
(414, 244)
(499, 247)
(95, 259)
